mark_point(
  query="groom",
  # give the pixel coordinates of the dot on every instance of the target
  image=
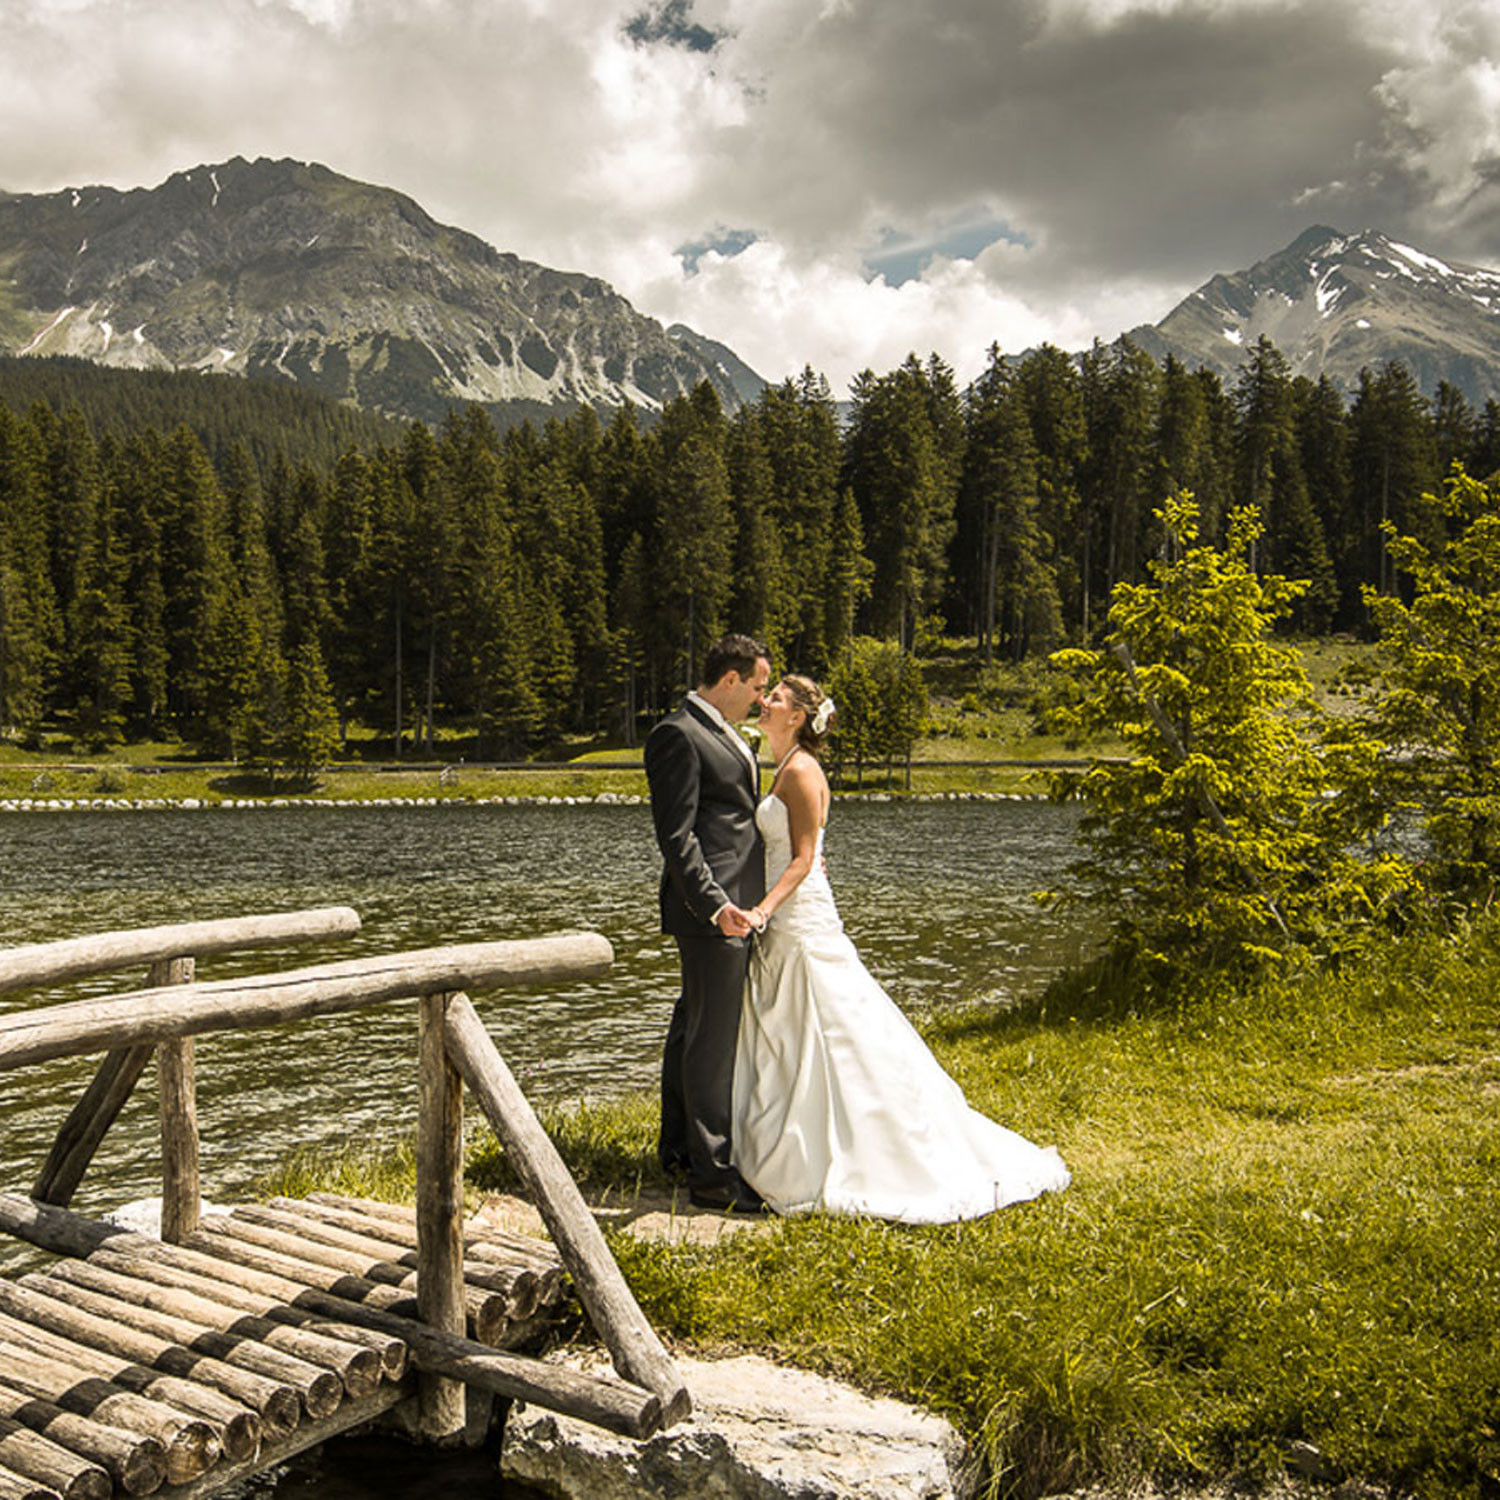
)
(704, 787)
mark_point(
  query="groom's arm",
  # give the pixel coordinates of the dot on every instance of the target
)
(672, 770)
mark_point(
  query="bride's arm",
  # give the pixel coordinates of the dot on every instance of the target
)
(801, 788)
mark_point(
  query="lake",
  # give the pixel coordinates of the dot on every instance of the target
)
(938, 896)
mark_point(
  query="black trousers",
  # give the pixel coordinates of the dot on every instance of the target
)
(697, 1068)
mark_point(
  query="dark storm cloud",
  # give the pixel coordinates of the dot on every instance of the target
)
(1164, 142)
(834, 181)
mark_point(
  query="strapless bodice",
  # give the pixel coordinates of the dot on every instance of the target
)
(810, 908)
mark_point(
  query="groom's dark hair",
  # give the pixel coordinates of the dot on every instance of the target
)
(733, 653)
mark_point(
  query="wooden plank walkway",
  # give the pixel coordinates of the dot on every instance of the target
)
(137, 1367)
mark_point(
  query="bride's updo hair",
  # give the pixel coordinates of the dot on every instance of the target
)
(816, 705)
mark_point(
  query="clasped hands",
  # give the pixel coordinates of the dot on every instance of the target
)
(736, 922)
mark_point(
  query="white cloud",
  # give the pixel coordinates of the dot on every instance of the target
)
(1134, 146)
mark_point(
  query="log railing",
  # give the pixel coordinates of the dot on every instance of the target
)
(454, 1049)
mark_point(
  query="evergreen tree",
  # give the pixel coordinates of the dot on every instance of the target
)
(849, 575)
(502, 682)
(1439, 658)
(1455, 429)
(27, 602)
(138, 474)
(1215, 839)
(764, 598)
(903, 479)
(1185, 458)
(1393, 463)
(1485, 459)
(1322, 427)
(355, 591)
(630, 609)
(1272, 482)
(1120, 391)
(1016, 587)
(694, 527)
(798, 434)
(309, 733)
(1053, 396)
(207, 647)
(428, 554)
(99, 636)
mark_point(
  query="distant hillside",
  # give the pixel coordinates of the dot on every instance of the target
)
(288, 271)
(271, 421)
(1337, 303)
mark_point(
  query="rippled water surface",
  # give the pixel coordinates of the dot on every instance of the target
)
(938, 897)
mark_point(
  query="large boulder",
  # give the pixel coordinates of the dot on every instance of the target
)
(758, 1432)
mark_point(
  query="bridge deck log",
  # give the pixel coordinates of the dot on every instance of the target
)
(121, 1353)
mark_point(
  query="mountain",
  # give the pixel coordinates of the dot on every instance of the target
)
(1334, 303)
(286, 270)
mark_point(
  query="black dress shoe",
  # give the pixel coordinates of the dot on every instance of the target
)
(676, 1168)
(741, 1200)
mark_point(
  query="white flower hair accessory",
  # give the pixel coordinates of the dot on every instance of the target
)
(823, 715)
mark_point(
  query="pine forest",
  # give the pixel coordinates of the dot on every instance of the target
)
(207, 559)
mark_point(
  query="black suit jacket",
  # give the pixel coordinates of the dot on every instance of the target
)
(703, 796)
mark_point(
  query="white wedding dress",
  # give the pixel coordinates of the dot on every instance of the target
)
(838, 1104)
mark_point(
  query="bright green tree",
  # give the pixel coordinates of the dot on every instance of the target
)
(1439, 659)
(881, 705)
(1216, 839)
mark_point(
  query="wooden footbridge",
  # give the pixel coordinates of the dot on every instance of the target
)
(173, 1366)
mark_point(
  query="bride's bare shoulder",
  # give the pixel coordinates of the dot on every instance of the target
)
(803, 777)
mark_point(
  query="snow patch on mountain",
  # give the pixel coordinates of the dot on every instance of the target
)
(1336, 303)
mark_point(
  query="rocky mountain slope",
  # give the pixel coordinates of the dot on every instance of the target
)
(1334, 303)
(287, 270)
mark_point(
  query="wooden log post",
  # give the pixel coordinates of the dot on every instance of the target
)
(518, 1285)
(39, 964)
(153, 1015)
(238, 1428)
(66, 1233)
(14, 1486)
(86, 1125)
(632, 1343)
(351, 1274)
(319, 1391)
(181, 1203)
(357, 1368)
(500, 1247)
(440, 1215)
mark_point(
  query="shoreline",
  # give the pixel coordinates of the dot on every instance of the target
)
(601, 799)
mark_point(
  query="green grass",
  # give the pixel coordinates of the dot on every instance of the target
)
(994, 713)
(1284, 1228)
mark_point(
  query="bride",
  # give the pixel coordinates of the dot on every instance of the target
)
(838, 1104)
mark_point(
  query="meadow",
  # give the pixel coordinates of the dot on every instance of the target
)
(1280, 1253)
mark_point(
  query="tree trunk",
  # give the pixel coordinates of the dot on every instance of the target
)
(400, 652)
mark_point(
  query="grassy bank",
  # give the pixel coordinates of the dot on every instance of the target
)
(1281, 1246)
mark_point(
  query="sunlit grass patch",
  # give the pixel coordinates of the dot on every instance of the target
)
(1282, 1231)
(380, 1169)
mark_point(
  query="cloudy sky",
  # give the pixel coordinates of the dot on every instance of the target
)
(825, 182)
